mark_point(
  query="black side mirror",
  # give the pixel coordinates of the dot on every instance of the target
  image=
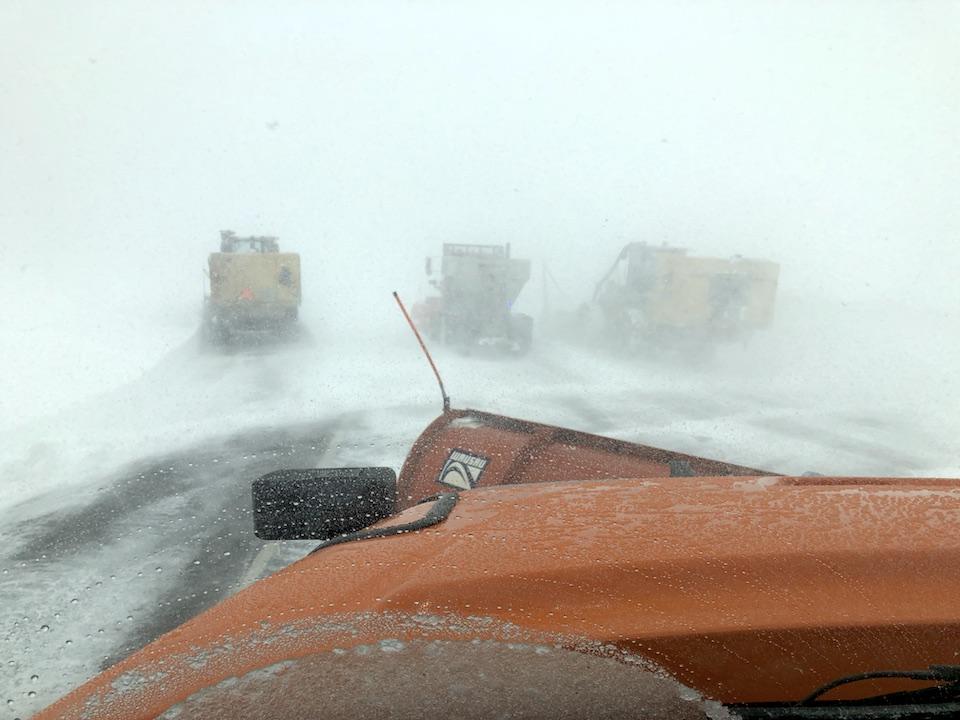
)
(321, 504)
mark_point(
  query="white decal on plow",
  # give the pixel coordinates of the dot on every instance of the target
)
(462, 470)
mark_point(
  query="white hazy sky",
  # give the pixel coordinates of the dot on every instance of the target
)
(823, 135)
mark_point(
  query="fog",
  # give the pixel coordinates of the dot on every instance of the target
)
(365, 135)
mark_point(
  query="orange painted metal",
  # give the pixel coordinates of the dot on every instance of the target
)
(745, 588)
(519, 451)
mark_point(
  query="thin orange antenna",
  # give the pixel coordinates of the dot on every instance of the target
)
(443, 391)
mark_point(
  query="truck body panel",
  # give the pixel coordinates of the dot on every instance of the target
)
(255, 285)
(478, 285)
(654, 293)
(252, 287)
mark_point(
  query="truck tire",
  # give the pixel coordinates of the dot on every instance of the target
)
(521, 333)
(215, 334)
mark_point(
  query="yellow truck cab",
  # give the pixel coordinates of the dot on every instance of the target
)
(253, 288)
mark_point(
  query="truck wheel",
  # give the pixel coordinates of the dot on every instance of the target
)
(215, 334)
(521, 333)
(289, 330)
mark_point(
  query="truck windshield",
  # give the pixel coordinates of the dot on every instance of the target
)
(727, 231)
(247, 246)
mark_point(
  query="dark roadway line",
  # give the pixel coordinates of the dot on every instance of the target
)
(195, 503)
(225, 545)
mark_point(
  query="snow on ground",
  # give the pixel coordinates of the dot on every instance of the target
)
(852, 391)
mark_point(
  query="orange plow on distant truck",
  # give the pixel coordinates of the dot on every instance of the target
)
(521, 570)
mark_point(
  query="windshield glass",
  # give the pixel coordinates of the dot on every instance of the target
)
(725, 230)
(249, 246)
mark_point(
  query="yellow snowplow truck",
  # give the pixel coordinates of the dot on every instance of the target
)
(659, 295)
(254, 289)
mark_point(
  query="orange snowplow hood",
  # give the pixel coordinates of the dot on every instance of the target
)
(744, 588)
(463, 449)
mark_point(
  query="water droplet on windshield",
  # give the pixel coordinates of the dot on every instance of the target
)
(44, 628)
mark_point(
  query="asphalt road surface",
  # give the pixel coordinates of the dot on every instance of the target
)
(176, 533)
